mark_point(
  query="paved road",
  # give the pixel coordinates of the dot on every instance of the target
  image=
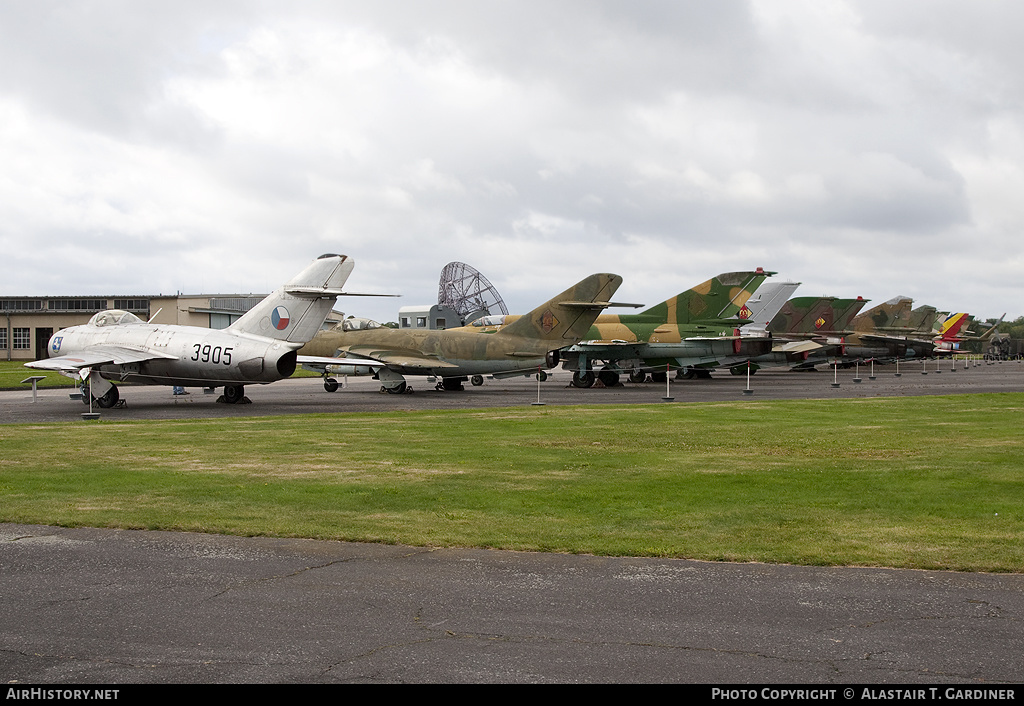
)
(306, 395)
(114, 606)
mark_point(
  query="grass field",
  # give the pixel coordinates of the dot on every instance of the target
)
(926, 482)
(13, 372)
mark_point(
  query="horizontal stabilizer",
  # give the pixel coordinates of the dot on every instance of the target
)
(597, 305)
(796, 347)
(320, 361)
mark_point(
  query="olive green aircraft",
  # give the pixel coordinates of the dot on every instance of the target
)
(807, 330)
(529, 345)
(691, 333)
(892, 330)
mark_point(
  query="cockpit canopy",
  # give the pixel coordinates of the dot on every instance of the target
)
(114, 317)
(357, 324)
(492, 320)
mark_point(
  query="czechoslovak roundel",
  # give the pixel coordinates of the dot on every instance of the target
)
(280, 318)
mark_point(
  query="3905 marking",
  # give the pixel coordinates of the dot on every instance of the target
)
(211, 354)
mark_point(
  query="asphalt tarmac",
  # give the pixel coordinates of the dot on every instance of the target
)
(307, 395)
(129, 607)
(126, 607)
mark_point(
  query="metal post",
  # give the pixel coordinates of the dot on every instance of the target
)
(538, 403)
(90, 415)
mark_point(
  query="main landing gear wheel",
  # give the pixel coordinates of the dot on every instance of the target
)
(451, 384)
(542, 375)
(330, 384)
(583, 379)
(608, 377)
(638, 376)
(109, 399)
(477, 380)
(233, 394)
(396, 390)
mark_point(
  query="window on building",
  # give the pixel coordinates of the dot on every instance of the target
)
(3, 338)
(22, 338)
(77, 304)
(132, 304)
(21, 304)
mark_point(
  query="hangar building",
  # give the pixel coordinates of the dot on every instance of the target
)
(26, 323)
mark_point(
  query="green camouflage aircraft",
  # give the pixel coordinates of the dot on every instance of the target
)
(891, 331)
(691, 333)
(529, 344)
(807, 329)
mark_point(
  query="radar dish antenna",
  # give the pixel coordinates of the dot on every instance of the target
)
(467, 292)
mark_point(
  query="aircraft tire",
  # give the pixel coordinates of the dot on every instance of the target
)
(686, 374)
(452, 385)
(659, 377)
(583, 379)
(542, 375)
(330, 384)
(234, 393)
(109, 399)
(477, 380)
(608, 377)
(396, 390)
(638, 376)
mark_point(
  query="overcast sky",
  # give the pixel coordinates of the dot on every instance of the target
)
(860, 147)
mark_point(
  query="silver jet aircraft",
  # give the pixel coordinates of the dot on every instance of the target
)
(260, 347)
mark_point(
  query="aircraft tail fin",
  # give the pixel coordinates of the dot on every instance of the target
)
(803, 315)
(566, 318)
(720, 297)
(951, 327)
(845, 314)
(922, 319)
(815, 316)
(892, 315)
(766, 301)
(296, 311)
(993, 331)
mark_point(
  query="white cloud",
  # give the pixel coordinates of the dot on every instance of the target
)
(860, 147)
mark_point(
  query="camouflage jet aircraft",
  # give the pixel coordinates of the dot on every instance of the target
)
(892, 330)
(807, 330)
(692, 332)
(527, 345)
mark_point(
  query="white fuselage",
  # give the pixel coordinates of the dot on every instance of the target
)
(189, 355)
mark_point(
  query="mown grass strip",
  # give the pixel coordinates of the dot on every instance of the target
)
(934, 482)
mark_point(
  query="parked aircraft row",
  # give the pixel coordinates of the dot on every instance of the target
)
(713, 325)
(727, 321)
